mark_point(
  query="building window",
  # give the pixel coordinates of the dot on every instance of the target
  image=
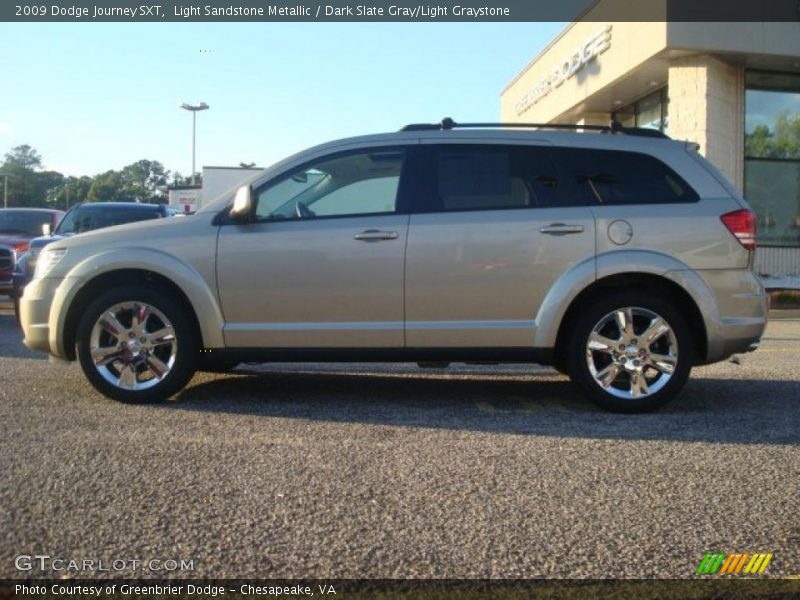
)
(772, 155)
(650, 112)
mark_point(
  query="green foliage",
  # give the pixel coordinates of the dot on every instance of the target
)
(783, 142)
(29, 185)
(107, 187)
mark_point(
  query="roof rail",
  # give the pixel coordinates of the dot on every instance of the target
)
(613, 127)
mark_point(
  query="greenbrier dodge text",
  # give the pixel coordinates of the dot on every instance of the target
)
(204, 591)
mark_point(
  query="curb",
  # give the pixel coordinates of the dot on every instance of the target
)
(777, 314)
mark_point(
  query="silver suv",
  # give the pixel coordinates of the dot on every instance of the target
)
(618, 256)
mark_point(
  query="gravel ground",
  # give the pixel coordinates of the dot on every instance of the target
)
(391, 471)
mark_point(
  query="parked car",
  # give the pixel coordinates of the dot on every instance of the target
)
(79, 219)
(619, 256)
(17, 227)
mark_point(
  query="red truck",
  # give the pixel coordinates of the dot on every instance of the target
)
(17, 227)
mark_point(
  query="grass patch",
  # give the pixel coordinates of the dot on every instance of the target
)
(784, 299)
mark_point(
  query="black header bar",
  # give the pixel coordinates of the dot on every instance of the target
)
(396, 10)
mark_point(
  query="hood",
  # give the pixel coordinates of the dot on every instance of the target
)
(149, 233)
(42, 241)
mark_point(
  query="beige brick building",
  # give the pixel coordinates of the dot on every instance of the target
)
(732, 88)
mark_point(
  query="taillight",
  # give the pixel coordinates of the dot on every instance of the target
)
(742, 224)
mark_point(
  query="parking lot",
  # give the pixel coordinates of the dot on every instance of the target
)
(391, 471)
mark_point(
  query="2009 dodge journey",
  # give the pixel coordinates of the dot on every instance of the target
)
(618, 256)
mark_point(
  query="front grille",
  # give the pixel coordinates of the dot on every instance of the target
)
(6, 259)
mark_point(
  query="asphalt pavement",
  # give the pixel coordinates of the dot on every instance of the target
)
(391, 471)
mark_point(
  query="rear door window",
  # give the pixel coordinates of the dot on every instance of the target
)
(490, 177)
(616, 177)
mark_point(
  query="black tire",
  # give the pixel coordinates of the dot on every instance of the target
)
(187, 346)
(16, 310)
(644, 305)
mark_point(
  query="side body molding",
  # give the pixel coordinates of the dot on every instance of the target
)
(193, 284)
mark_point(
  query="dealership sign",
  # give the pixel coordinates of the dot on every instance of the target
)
(588, 51)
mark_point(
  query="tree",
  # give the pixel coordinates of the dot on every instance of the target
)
(71, 191)
(783, 142)
(20, 164)
(107, 187)
(144, 180)
(178, 180)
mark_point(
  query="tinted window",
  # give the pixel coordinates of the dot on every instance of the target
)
(24, 223)
(88, 218)
(344, 185)
(492, 177)
(614, 177)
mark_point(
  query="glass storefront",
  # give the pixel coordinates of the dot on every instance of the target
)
(772, 155)
(650, 112)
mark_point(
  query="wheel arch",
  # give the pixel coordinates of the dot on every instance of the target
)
(110, 279)
(155, 269)
(660, 285)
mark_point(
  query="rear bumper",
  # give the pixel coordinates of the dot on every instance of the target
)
(742, 309)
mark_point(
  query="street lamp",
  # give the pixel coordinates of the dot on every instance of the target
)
(5, 177)
(194, 108)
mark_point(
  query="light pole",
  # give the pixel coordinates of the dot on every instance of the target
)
(5, 189)
(194, 108)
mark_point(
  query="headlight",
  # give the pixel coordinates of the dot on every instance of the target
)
(22, 262)
(33, 254)
(48, 259)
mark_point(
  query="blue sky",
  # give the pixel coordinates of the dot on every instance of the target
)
(92, 97)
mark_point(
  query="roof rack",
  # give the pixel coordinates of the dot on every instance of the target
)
(447, 124)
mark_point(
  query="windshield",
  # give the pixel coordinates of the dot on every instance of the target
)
(23, 222)
(86, 218)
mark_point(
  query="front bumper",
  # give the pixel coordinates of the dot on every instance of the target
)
(34, 314)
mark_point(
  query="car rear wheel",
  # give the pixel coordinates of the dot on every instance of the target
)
(137, 345)
(630, 352)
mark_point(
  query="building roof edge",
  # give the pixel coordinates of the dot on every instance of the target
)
(550, 44)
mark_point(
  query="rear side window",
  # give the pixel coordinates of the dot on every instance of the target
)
(615, 177)
(484, 177)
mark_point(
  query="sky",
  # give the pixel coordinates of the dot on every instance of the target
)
(90, 97)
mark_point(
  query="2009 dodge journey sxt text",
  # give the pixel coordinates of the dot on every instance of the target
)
(620, 257)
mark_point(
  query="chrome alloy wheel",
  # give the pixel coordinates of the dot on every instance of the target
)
(133, 346)
(632, 353)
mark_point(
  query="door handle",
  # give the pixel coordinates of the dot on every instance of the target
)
(375, 235)
(561, 229)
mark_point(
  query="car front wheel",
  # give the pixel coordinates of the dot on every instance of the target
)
(136, 344)
(631, 352)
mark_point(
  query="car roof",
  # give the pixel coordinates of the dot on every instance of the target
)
(23, 209)
(131, 205)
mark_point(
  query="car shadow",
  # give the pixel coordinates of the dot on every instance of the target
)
(11, 345)
(544, 403)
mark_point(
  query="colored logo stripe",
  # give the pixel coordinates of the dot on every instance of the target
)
(711, 563)
(758, 563)
(728, 564)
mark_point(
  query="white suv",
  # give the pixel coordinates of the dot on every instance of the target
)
(618, 256)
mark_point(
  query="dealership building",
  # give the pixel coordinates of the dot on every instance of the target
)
(732, 88)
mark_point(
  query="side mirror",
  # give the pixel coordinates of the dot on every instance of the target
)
(47, 229)
(242, 205)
